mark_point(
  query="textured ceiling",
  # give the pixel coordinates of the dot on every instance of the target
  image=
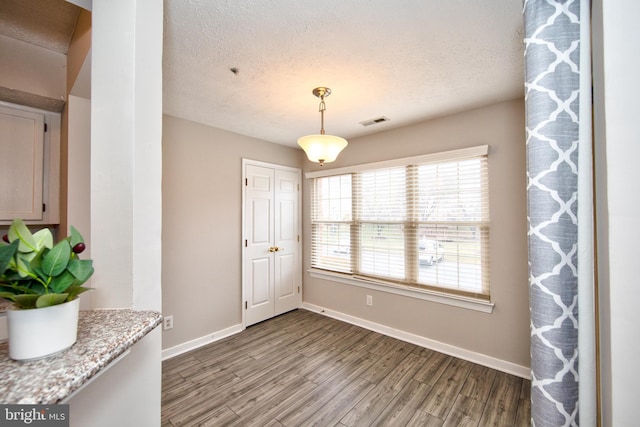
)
(407, 60)
(45, 23)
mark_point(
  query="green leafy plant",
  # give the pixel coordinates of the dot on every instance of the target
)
(35, 273)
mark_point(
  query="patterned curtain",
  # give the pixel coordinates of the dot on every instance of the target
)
(552, 97)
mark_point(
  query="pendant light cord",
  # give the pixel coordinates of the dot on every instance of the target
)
(321, 108)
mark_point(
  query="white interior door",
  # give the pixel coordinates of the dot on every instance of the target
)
(259, 239)
(271, 259)
(287, 266)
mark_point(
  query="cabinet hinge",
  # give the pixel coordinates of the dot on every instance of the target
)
(298, 289)
(246, 244)
(45, 127)
(245, 305)
(44, 207)
(298, 237)
(246, 182)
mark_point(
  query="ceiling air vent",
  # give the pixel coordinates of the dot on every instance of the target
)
(375, 121)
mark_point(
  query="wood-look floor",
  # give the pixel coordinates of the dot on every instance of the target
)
(303, 369)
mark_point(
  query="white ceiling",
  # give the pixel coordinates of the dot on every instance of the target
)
(408, 60)
(44, 23)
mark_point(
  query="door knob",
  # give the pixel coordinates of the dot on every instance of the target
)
(275, 249)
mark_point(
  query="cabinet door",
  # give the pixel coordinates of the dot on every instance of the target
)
(21, 164)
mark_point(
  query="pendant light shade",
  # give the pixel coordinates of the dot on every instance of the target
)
(322, 148)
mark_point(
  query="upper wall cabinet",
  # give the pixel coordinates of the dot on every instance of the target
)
(29, 165)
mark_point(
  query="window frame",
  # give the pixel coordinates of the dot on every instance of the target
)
(476, 301)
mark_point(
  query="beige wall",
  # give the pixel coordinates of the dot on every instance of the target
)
(79, 49)
(202, 231)
(32, 68)
(34, 76)
(76, 211)
(504, 334)
(202, 224)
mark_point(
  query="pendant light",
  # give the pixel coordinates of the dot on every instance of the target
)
(322, 148)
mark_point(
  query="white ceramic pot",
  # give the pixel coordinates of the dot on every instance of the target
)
(41, 332)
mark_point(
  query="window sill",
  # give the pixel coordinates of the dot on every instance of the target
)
(426, 295)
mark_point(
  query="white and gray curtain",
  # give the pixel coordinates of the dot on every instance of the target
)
(558, 135)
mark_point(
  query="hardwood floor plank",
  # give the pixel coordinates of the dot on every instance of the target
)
(375, 402)
(258, 396)
(257, 334)
(443, 394)
(303, 368)
(335, 361)
(320, 366)
(188, 389)
(525, 390)
(523, 415)
(260, 415)
(466, 412)
(478, 383)
(388, 362)
(422, 419)
(169, 381)
(190, 406)
(180, 364)
(209, 370)
(291, 340)
(331, 412)
(502, 405)
(333, 338)
(256, 366)
(424, 352)
(234, 346)
(304, 408)
(378, 344)
(402, 408)
(195, 405)
(433, 368)
(216, 418)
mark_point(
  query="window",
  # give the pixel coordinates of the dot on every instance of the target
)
(421, 222)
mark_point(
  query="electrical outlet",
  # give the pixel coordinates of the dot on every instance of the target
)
(167, 323)
(369, 300)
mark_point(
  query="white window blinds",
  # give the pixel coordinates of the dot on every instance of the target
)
(421, 222)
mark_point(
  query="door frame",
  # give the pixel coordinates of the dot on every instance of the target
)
(245, 163)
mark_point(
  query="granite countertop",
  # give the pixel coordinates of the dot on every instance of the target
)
(103, 335)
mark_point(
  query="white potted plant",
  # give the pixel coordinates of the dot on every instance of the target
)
(43, 282)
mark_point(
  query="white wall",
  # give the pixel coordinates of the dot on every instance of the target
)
(126, 196)
(617, 149)
(126, 153)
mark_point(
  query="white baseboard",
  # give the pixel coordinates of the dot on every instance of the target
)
(461, 353)
(199, 342)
